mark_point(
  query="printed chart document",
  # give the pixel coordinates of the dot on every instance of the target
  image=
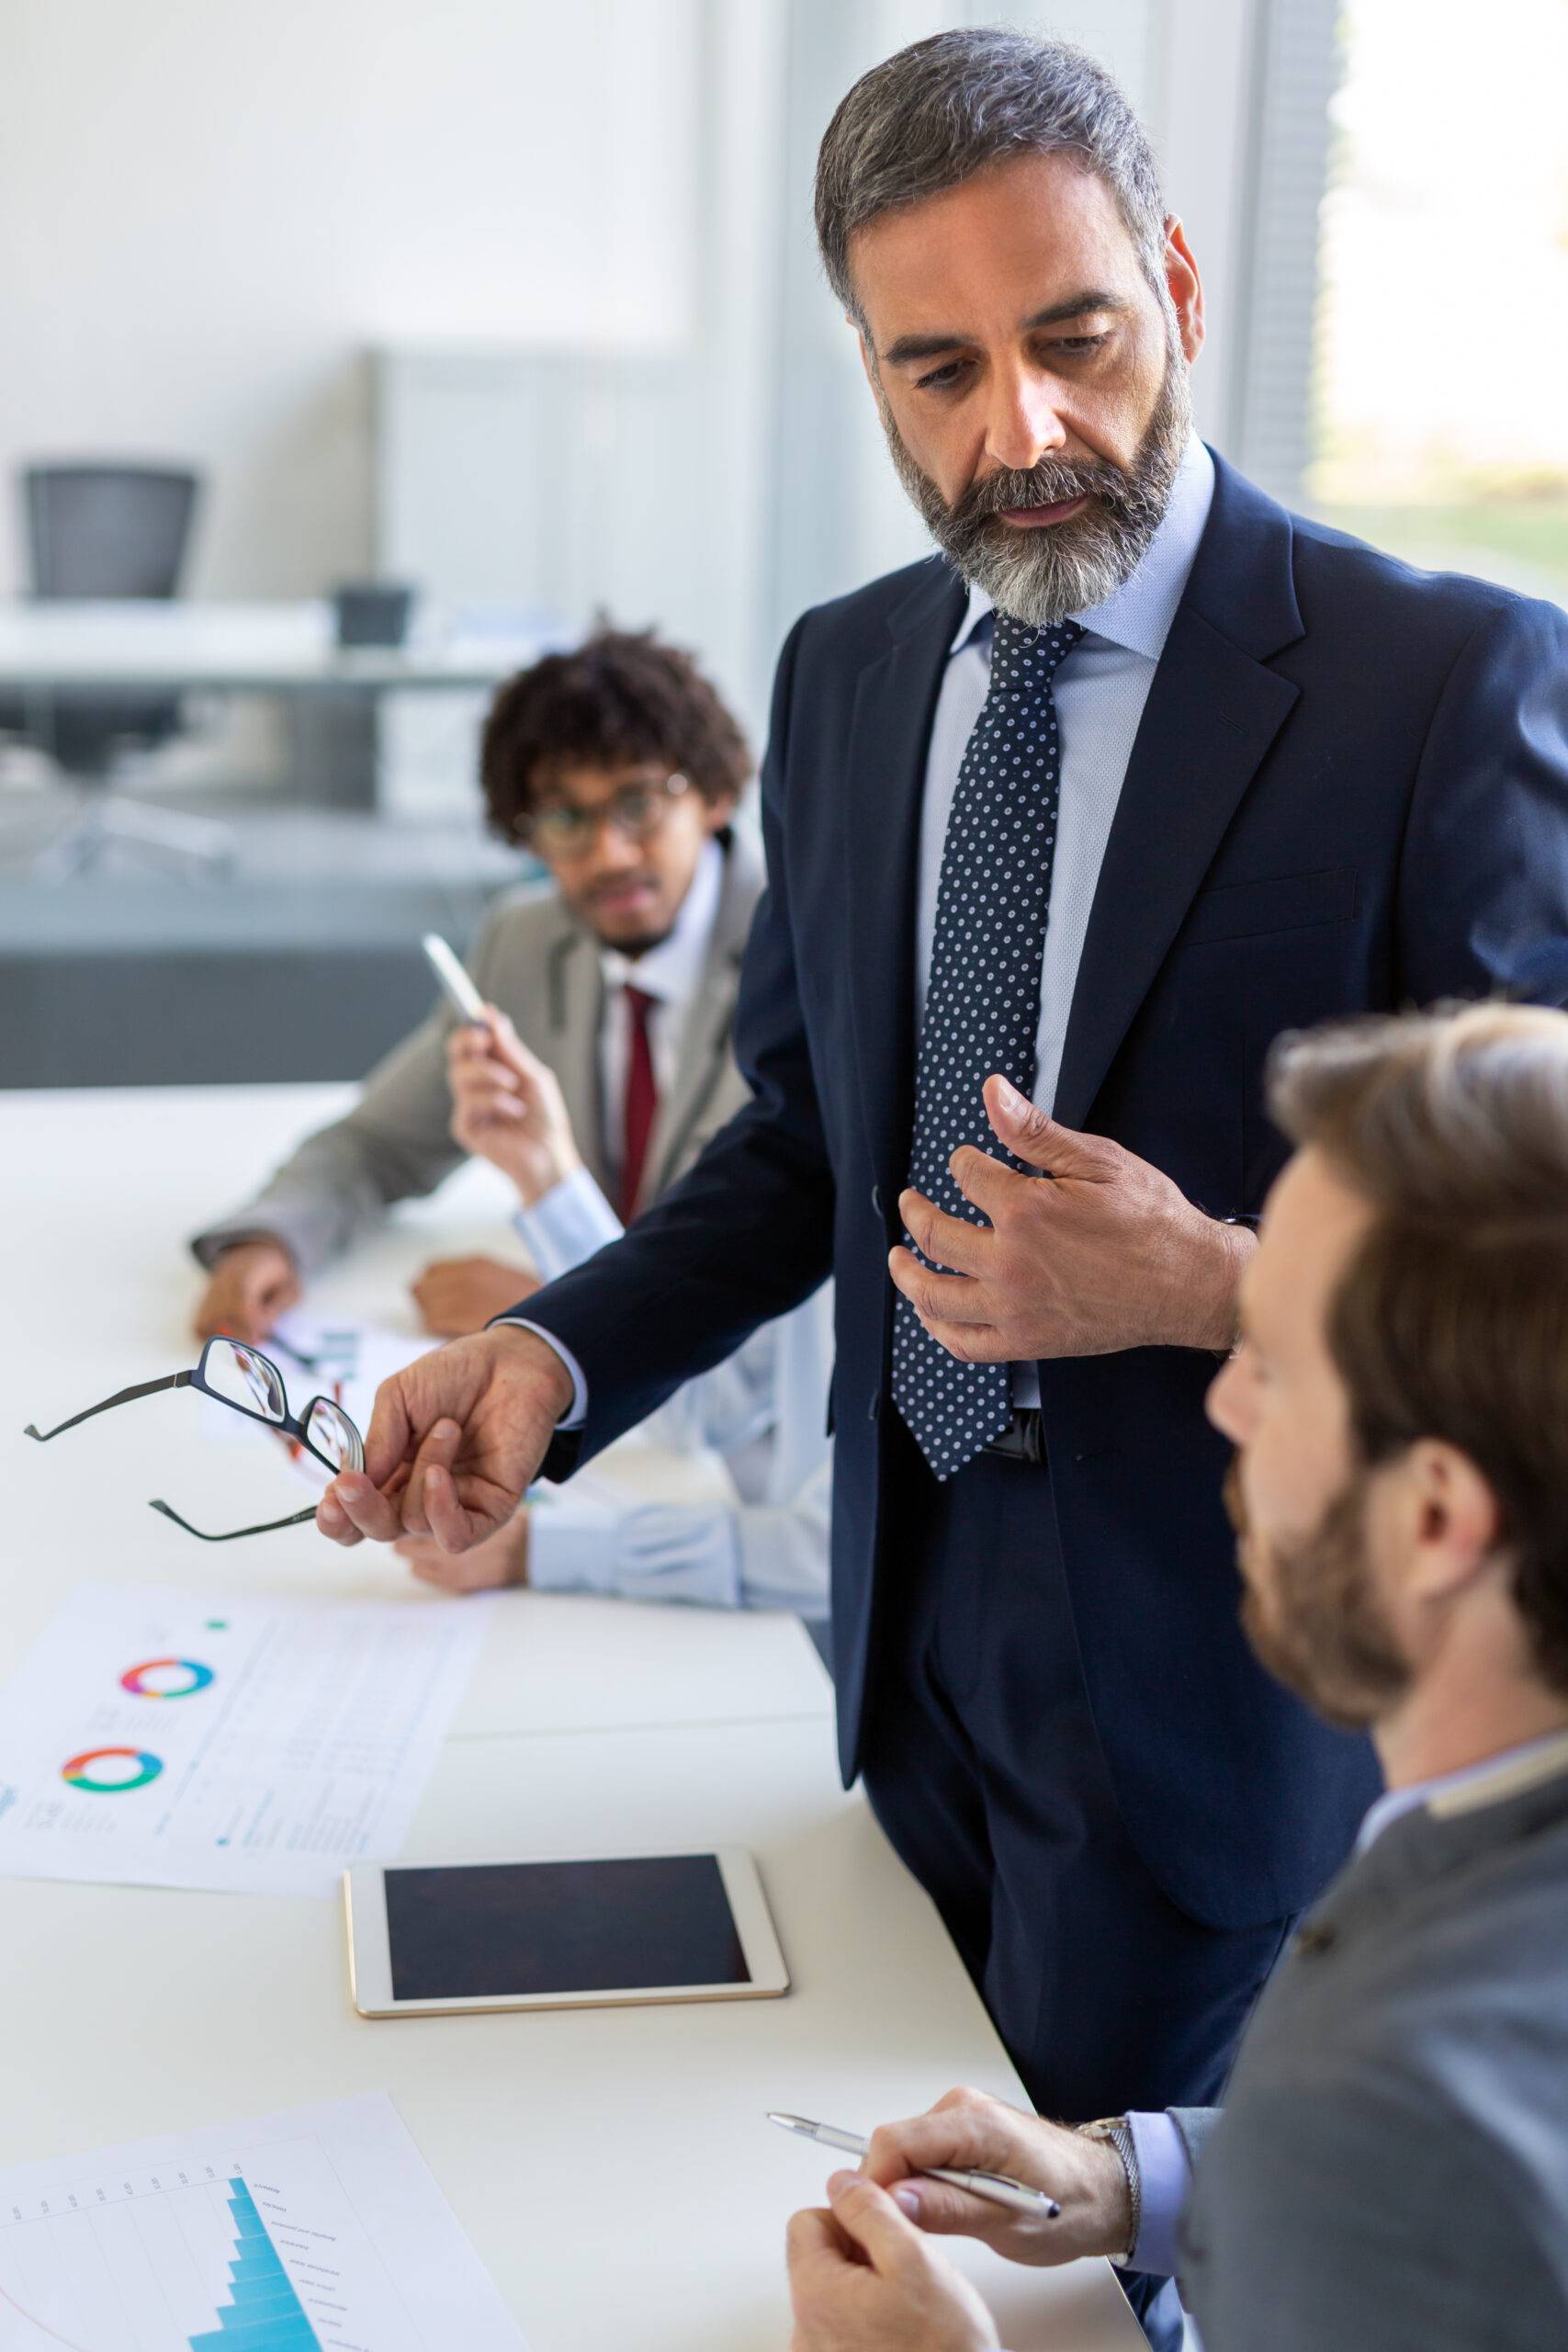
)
(154, 1738)
(319, 2227)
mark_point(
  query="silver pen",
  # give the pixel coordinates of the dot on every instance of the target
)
(994, 2185)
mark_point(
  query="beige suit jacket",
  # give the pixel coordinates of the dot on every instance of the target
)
(538, 965)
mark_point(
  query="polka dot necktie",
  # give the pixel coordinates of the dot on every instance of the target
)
(982, 1000)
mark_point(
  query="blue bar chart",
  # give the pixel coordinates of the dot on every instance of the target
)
(318, 2230)
(263, 2312)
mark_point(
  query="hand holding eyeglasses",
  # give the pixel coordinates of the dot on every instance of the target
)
(249, 1384)
(454, 1443)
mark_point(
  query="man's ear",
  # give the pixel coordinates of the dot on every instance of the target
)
(1185, 287)
(1455, 1521)
(716, 814)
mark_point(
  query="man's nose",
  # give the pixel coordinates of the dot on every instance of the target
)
(1024, 424)
(611, 850)
(1226, 1402)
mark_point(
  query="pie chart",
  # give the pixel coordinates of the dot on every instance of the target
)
(166, 1678)
(109, 1771)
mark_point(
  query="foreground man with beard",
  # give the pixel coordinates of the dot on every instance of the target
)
(1082, 817)
(1391, 2170)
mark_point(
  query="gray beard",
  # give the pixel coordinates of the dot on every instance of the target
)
(1040, 576)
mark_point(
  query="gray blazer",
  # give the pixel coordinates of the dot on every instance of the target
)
(537, 964)
(1390, 2172)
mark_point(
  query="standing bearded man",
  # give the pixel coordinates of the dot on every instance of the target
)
(1062, 827)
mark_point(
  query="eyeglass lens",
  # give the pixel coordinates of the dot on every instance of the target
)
(333, 1437)
(241, 1377)
(637, 810)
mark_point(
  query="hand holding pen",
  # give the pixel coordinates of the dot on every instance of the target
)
(1036, 2191)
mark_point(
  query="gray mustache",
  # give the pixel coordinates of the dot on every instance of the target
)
(1042, 486)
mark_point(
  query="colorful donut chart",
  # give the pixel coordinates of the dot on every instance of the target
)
(133, 1679)
(79, 1771)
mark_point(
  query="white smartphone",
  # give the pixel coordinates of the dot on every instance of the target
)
(457, 987)
(437, 1938)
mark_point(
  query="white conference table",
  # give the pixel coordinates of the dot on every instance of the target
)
(612, 2167)
(155, 644)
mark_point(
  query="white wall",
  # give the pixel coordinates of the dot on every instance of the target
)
(209, 209)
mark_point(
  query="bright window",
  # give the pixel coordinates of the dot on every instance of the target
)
(1441, 395)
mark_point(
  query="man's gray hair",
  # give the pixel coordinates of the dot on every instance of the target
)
(943, 109)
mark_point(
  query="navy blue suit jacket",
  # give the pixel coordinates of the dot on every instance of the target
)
(1349, 791)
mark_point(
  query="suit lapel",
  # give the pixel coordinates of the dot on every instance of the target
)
(705, 1045)
(885, 765)
(1212, 711)
(576, 996)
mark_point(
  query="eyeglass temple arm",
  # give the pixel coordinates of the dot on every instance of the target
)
(267, 1527)
(126, 1396)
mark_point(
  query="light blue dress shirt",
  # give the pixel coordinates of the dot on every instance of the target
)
(1099, 690)
(1165, 2175)
(764, 1410)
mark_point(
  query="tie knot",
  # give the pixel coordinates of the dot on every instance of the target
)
(1030, 655)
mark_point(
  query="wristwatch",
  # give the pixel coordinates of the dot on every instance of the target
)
(1116, 2129)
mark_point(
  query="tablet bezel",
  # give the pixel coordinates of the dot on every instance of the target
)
(370, 1959)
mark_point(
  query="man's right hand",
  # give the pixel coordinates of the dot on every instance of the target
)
(453, 1444)
(967, 2131)
(249, 1288)
(508, 1108)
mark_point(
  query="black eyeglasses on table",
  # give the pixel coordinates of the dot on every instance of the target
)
(248, 1383)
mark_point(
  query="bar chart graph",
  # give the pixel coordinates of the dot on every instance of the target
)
(263, 2312)
(319, 2230)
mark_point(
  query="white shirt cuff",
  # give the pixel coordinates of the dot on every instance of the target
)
(567, 1225)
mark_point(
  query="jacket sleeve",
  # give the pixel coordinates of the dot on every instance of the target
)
(747, 1233)
(1361, 2214)
(395, 1143)
(1482, 906)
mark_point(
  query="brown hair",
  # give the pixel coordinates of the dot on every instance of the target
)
(1451, 1319)
(620, 696)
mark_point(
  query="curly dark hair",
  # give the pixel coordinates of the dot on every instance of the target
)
(620, 696)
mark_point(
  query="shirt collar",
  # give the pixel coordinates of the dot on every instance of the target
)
(1138, 614)
(1488, 1782)
(671, 971)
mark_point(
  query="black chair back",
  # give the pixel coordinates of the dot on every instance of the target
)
(107, 531)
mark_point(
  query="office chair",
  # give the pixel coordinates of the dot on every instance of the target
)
(103, 533)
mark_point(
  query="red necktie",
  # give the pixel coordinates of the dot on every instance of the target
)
(641, 1104)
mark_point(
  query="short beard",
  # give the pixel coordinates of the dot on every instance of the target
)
(1040, 576)
(1312, 1616)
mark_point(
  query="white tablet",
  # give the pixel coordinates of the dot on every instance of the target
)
(435, 1938)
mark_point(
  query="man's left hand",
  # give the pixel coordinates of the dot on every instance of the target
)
(861, 2278)
(456, 1295)
(1108, 1254)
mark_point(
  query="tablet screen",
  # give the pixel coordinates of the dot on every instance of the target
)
(487, 1930)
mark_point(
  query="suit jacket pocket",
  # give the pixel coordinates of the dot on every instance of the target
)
(1284, 902)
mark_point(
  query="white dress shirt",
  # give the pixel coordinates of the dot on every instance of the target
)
(668, 973)
(765, 1409)
(1100, 690)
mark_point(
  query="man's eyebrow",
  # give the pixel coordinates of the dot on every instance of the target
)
(1079, 306)
(906, 348)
